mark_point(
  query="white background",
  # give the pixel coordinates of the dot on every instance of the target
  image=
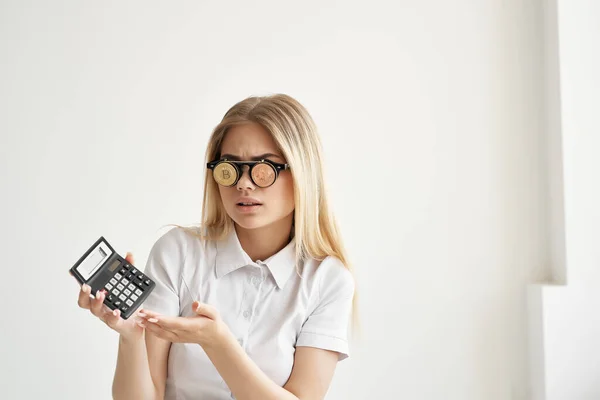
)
(432, 120)
(569, 364)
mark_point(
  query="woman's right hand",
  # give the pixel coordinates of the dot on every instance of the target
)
(127, 328)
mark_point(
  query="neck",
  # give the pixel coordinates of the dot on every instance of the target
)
(262, 243)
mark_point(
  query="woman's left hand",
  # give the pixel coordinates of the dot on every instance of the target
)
(206, 328)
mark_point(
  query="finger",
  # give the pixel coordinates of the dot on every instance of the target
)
(168, 323)
(129, 258)
(97, 303)
(161, 320)
(159, 332)
(148, 313)
(205, 310)
(112, 317)
(84, 296)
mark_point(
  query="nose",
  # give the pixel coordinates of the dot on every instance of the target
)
(245, 182)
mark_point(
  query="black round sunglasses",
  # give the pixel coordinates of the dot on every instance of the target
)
(263, 173)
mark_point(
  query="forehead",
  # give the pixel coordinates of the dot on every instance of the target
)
(248, 140)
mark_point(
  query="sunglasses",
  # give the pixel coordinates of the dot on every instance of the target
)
(262, 173)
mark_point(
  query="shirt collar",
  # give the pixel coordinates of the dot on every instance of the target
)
(231, 256)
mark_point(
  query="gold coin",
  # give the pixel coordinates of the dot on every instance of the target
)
(225, 174)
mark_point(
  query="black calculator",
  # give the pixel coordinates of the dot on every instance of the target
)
(103, 269)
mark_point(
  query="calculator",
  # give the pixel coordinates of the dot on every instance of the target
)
(103, 269)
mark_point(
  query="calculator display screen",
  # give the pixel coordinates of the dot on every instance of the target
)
(114, 265)
(93, 261)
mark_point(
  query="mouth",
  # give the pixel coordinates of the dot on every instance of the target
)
(247, 207)
(248, 204)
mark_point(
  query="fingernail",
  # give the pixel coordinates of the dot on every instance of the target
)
(141, 314)
(115, 313)
(152, 320)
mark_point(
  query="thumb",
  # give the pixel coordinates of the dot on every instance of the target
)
(129, 258)
(113, 318)
(205, 310)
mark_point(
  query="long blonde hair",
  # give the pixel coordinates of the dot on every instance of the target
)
(294, 131)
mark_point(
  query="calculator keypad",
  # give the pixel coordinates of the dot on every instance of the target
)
(127, 285)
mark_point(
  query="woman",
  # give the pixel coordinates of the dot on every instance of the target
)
(255, 302)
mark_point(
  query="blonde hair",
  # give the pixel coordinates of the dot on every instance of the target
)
(295, 133)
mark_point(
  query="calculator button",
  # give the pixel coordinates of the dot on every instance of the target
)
(124, 308)
(110, 298)
(117, 303)
(131, 287)
(127, 292)
(129, 302)
(113, 281)
(118, 276)
(140, 277)
(122, 271)
(116, 292)
(138, 292)
(120, 287)
(133, 297)
(125, 282)
(139, 283)
(123, 297)
(147, 282)
(129, 276)
(133, 271)
(109, 286)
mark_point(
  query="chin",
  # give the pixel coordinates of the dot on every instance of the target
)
(248, 222)
(254, 221)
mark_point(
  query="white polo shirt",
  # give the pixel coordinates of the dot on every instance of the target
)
(267, 305)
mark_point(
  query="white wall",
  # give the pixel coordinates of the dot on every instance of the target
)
(565, 319)
(439, 188)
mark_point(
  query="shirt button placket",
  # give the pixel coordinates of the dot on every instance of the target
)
(251, 293)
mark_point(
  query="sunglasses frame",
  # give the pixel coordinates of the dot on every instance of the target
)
(238, 165)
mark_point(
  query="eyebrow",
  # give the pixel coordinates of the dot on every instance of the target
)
(266, 155)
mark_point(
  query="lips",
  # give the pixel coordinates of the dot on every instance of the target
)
(248, 201)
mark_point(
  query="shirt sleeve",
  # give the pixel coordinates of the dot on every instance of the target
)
(327, 325)
(164, 268)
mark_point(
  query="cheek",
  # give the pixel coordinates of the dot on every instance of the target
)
(226, 194)
(287, 192)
